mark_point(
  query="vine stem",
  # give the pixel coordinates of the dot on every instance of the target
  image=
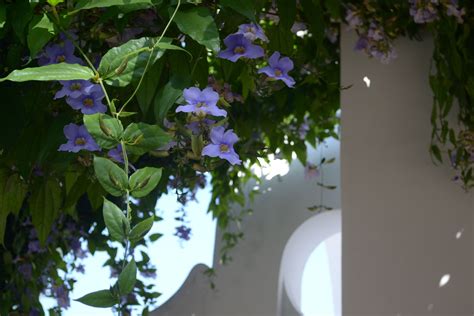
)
(149, 58)
(57, 21)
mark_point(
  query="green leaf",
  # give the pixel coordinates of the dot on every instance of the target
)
(45, 202)
(3, 15)
(148, 87)
(53, 72)
(436, 153)
(105, 129)
(112, 178)
(116, 222)
(199, 24)
(144, 180)
(287, 12)
(141, 138)
(141, 229)
(40, 32)
(55, 2)
(168, 95)
(14, 193)
(168, 46)
(3, 210)
(103, 298)
(128, 278)
(244, 7)
(126, 63)
(155, 237)
(90, 4)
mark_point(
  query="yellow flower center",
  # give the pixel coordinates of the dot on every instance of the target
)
(251, 29)
(200, 104)
(239, 50)
(80, 141)
(224, 148)
(278, 72)
(60, 58)
(75, 86)
(88, 102)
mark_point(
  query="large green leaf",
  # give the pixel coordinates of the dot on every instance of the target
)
(103, 298)
(141, 138)
(40, 32)
(141, 229)
(112, 178)
(117, 224)
(148, 87)
(144, 180)
(45, 202)
(126, 63)
(105, 129)
(128, 278)
(168, 95)
(90, 4)
(199, 24)
(14, 193)
(244, 7)
(61, 71)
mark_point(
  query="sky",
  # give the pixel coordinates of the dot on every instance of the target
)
(173, 257)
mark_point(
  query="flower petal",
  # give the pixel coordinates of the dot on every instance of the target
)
(273, 60)
(211, 150)
(192, 95)
(217, 134)
(285, 64)
(71, 131)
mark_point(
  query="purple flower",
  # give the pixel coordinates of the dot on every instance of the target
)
(424, 11)
(61, 294)
(78, 139)
(168, 146)
(278, 69)
(353, 19)
(197, 126)
(452, 9)
(183, 232)
(59, 53)
(201, 102)
(116, 154)
(361, 44)
(222, 145)
(90, 101)
(34, 247)
(252, 32)
(150, 274)
(298, 26)
(73, 88)
(26, 270)
(80, 268)
(240, 46)
(311, 171)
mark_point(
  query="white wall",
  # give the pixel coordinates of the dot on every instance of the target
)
(248, 286)
(400, 212)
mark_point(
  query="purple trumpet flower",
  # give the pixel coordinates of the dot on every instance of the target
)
(239, 46)
(73, 88)
(78, 139)
(201, 102)
(90, 102)
(252, 32)
(222, 145)
(116, 154)
(59, 53)
(278, 69)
